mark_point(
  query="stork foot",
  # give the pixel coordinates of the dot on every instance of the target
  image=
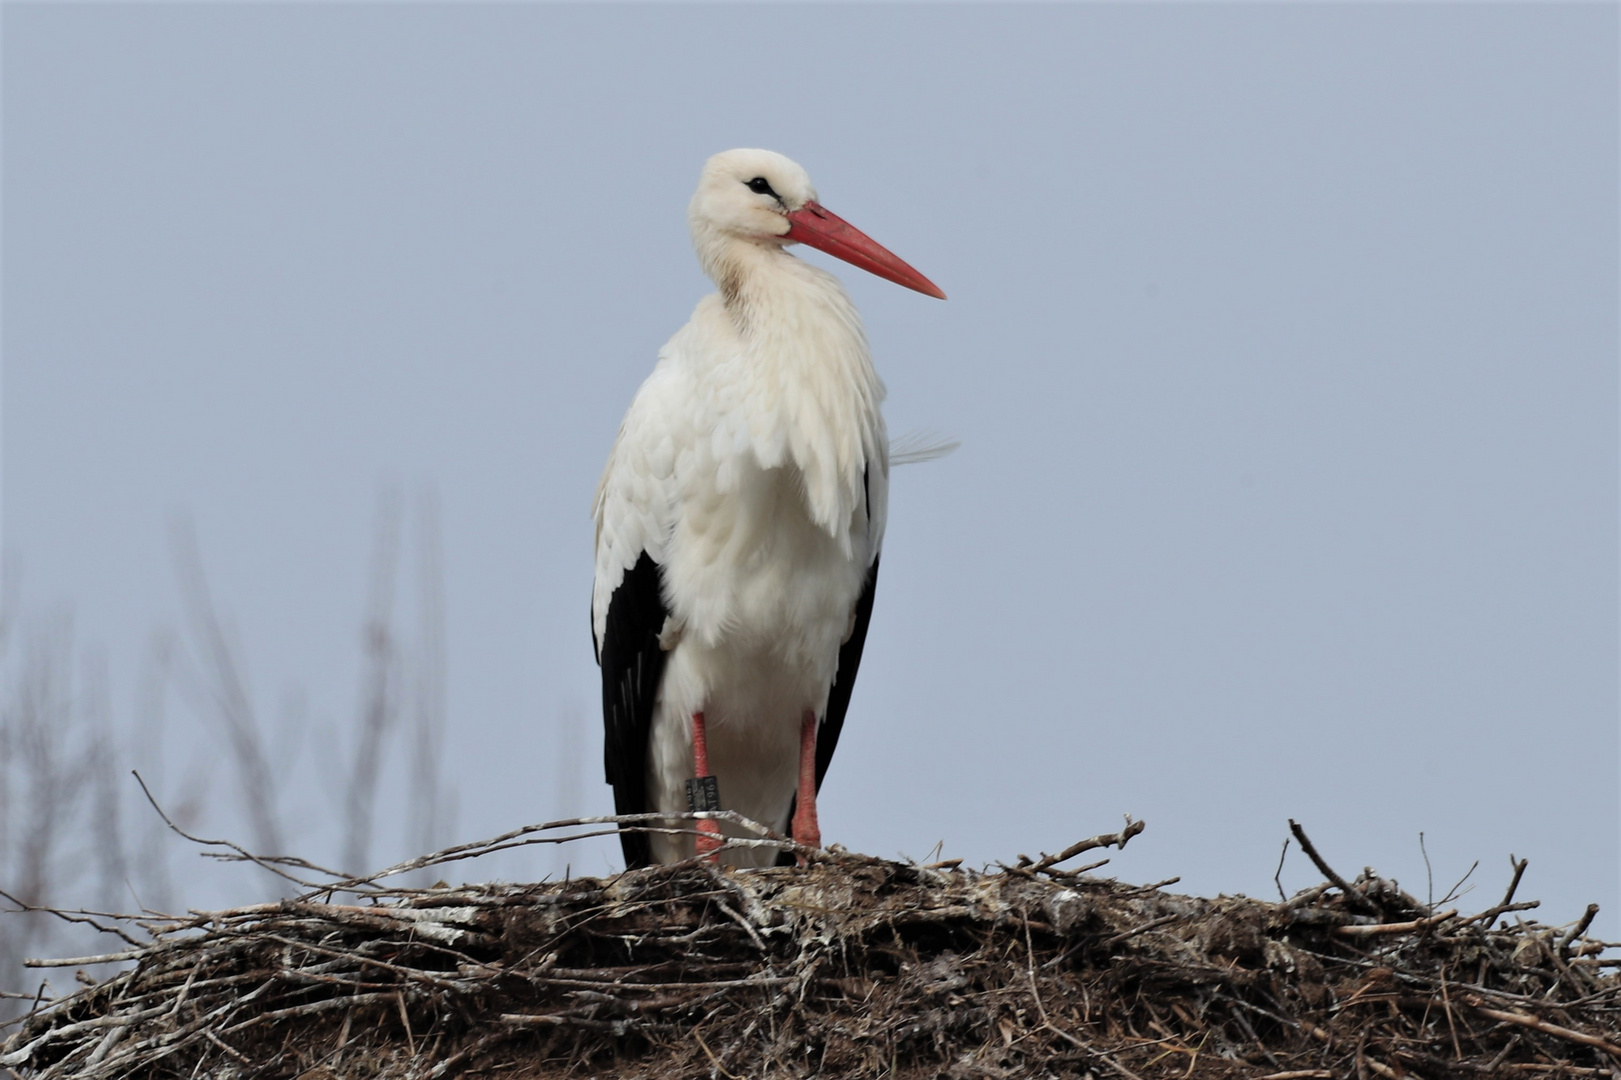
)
(806, 829)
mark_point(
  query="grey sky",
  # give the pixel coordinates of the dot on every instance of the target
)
(1282, 341)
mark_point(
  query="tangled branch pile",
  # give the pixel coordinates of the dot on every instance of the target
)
(850, 966)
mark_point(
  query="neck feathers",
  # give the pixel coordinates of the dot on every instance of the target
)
(810, 395)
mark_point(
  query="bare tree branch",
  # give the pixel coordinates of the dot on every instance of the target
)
(378, 709)
(223, 682)
(428, 827)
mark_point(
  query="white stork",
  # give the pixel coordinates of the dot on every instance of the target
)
(739, 522)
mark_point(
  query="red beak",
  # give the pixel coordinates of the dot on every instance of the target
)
(826, 231)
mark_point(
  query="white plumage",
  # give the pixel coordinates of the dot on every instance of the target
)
(751, 472)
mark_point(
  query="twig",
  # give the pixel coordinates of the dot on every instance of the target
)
(1353, 896)
(1514, 882)
(272, 863)
(754, 935)
(1127, 935)
(1578, 930)
(82, 918)
(1446, 1002)
(1277, 875)
(405, 1019)
(718, 1066)
(1537, 1024)
(1377, 929)
(105, 1046)
(38, 997)
(1146, 890)
(223, 1045)
(1074, 873)
(527, 835)
(82, 961)
(1117, 839)
(1382, 1069)
(1429, 875)
(1490, 914)
(312, 1008)
(180, 998)
(1453, 893)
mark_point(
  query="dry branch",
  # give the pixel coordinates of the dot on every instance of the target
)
(1354, 896)
(1118, 840)
(1379, 929)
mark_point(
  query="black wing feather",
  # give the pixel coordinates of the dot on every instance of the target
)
(632, 665)
(838, 698)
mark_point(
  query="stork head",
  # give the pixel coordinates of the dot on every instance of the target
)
(749, 194)
(761, 197)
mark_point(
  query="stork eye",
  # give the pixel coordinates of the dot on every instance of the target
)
(760, 186)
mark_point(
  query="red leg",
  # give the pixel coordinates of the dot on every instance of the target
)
(709, 840)
(806, 829)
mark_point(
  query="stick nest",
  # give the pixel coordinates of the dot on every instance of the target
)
(851, 966)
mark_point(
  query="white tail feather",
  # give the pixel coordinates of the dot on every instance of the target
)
(915, 447)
